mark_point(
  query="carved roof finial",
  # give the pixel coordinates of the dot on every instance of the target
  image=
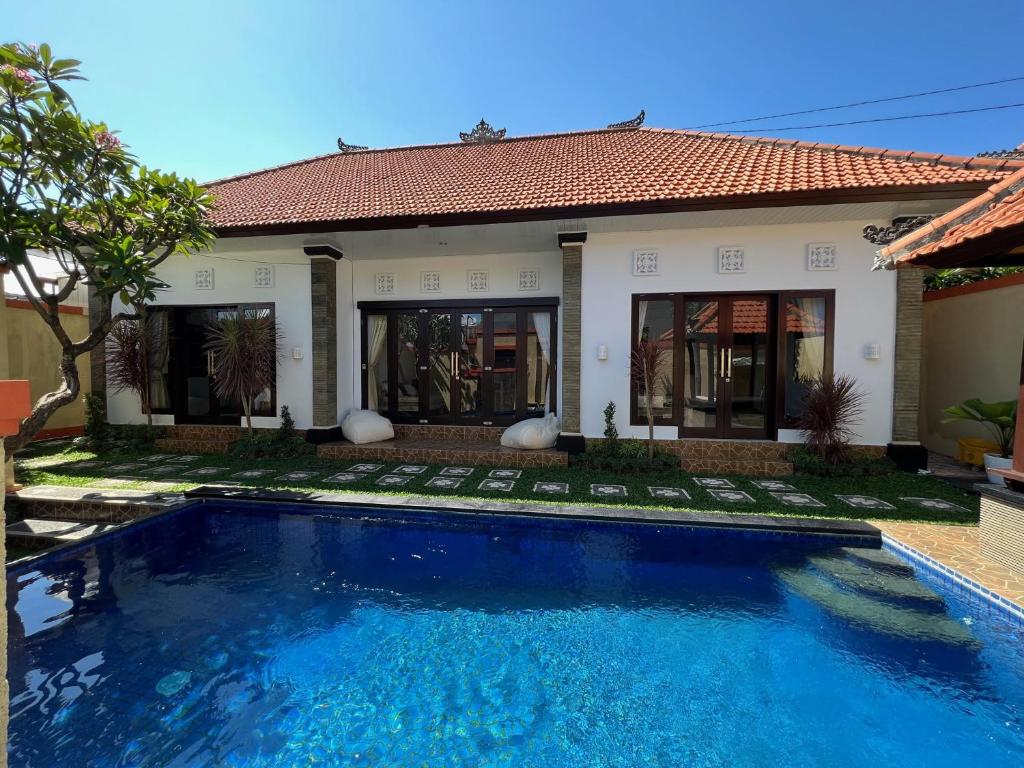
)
(349, 147)
(483, 133)
(636, 122)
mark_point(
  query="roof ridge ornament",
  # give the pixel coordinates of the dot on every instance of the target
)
(901, 225)
(1005, 154)
(350, 147)
(635, 122)
(483, 133)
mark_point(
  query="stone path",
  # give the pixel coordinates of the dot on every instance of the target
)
(958, 547)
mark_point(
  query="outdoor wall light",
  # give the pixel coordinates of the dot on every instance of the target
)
(872, 351)
(296, 353)
(602, 352)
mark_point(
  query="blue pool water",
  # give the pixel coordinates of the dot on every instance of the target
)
(235, 635)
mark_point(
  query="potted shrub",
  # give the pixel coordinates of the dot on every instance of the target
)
(1000, 419)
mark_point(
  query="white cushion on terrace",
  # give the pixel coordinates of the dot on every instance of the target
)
(532, 434)
(366, 427)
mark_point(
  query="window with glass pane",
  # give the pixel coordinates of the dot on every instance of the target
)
(377, 362)
(805, 319)
(408, 374)
(700, 363)
(159, 360)
(655, 324)
(505, 361)
(538, 361)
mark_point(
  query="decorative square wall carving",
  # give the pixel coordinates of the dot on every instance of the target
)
(384, 283)
(430, 282)
(204, 279)
(731, 260)
(478, 280)
(645, 262)
(263, 276)
(529, 279)
(821, 256)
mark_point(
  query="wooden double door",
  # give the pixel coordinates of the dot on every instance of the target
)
(460, 363)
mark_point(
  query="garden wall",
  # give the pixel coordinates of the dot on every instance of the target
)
(972, 348)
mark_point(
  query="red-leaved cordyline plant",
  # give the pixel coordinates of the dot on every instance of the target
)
(647, 363)
(127, 356)
(832, 407)
(245, 354)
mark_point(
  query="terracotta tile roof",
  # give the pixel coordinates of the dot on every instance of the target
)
(570, 174)
(976, 229)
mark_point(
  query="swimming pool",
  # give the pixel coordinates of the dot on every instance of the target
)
(236, 634)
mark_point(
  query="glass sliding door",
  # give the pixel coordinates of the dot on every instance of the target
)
(700, 364)
(747, 366)
(459, 365)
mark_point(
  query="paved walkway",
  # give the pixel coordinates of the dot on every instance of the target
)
(959, 547)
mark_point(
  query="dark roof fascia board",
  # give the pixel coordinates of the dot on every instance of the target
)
(772, 200)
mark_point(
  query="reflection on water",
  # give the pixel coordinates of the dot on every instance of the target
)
(244, 638)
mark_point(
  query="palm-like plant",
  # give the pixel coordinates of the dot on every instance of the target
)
(245, 353)
(648, 361)
(1000, 418)
(127, 356)
(832, 407)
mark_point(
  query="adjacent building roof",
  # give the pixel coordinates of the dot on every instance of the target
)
(590, 173)
(988, 230)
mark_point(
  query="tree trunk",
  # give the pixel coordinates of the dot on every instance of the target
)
(247, 410)
(47, 405)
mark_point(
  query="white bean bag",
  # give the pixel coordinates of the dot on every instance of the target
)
(366, 427)
(532, 434)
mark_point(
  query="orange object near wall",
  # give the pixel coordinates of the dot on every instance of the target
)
(15, 405)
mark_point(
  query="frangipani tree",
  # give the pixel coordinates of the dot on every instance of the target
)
(69, 188)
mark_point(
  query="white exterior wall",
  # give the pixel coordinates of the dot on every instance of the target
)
(233, 264)
(775, 260)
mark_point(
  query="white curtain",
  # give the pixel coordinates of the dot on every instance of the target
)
(376, 338)
(641, 318)
(542, 327)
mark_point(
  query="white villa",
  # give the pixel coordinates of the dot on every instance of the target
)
(486, 281)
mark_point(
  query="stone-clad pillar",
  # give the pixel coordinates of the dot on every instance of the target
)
(324, 292)
(571, 244)
(909, 343)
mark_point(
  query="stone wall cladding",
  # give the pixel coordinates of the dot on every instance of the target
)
(449, 432)
(324, 295)
(1002, 530)
(97, 357)
(80, 510)
(745, 467)
(572, 280)
(483, 455)
(909, 337)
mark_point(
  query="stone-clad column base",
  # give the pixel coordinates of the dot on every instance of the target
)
(572, 278)
(1002, 526)
(909, 337)
(323, 287)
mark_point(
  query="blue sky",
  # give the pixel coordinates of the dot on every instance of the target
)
(215, 87)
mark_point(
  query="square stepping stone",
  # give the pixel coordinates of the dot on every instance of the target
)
(545, 487)
(773, 485)
(162, 469)
(444, 482)
(83, 465)
(939, 505)
(797, 499)
(732, 497)
(604, 489)
(864, 502)
(497, 485)
(393, 480)
(184, 458)
(506, 474)
(346, 477)
(661, 492)
(362, 469)
(157, 457)
(713, 482)
(457, 471)
(296, 477)
(409, 469)
(205, 472)
(122, 469)
(251, 474)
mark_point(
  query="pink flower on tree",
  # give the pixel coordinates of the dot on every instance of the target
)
(21, 74)
(106, 141)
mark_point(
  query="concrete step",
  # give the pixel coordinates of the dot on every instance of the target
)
(85, 505)
(746, 467)
(737, 450)
(33, 533)
(467, 453)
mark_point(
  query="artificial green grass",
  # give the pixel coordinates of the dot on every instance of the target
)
(47, 465)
